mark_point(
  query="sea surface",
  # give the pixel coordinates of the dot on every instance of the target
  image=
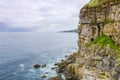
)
(19, 51)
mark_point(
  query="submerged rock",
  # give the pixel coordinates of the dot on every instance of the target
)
(46, 72)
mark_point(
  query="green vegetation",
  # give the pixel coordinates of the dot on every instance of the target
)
(104, 40)
(95, 3)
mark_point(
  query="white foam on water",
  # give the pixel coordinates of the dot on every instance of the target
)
(63, 77)
(31, 70)
(22, 67)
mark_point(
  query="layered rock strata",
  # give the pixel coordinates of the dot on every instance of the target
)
(98, 57)
(98, 20)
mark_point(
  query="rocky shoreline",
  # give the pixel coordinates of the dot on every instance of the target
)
(86, 67)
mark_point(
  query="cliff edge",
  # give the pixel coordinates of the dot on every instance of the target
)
(98, 56)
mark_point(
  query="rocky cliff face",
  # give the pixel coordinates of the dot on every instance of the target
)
(98, 57)
(98, 20)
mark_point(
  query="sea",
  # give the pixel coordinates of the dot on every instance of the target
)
(19, 51)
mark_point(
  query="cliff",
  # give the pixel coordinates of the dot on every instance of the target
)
(98, 57)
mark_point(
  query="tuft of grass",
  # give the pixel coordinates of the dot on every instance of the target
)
(104, 40)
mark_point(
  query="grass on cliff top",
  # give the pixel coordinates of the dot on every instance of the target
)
(94, 3)
(104, 40)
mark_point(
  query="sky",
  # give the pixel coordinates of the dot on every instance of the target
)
(39, 15)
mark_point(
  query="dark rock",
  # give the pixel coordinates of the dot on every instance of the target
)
(53, 68)
(46, 72)
(62, 60)
(55, 64)
(66, 56)
(44, 65)
(36, 66)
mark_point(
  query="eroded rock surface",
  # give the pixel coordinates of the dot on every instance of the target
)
(98, 56)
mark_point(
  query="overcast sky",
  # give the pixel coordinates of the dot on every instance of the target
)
(40, 15)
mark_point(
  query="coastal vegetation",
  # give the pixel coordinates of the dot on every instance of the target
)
(103, 41)
(95, 3)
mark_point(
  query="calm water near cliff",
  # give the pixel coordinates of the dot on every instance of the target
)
(20, 51)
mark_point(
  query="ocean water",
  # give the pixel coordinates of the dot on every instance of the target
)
(20, 51)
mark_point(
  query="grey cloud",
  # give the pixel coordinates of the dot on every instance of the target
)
(40, 14)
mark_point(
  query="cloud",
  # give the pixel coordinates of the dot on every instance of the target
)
(37, 15)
